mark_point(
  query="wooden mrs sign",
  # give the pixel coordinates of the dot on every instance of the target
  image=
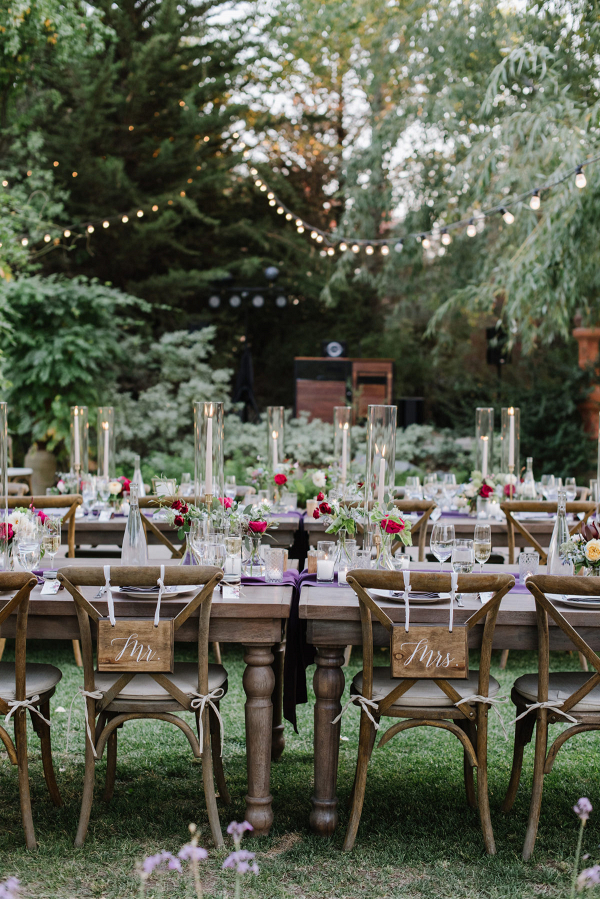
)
(135, 644)
(429, 651)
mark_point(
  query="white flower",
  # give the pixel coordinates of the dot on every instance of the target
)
(592, 551)
(470, 491)
(115, 487)
(318, 478)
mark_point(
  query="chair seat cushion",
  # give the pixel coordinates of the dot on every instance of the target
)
(560, 686)
(38, 679)
(425, 692)
(142, 686)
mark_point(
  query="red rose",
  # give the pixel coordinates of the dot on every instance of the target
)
(226, 502)
(257, 527)
(316, 514)
(390, 526)
(184, 509)
(177, 505)
(485, 491)
(360, 484)
(325, 508)
(42, 516)
(320, 497)
(179, 521)
(280, 479)
(11, 533)
(508, 489)
(126, 484)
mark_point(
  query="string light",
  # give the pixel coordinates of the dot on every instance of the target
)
(74, 174)
(66, 232)
(155, 208)
(90, 229)
(140, 213)
(125, 219)
(289, 217)
(319, 238)
(330, 251)
(385, 250)
(535, 200)
(355, 248)
(280, 210)
(300, 229)
(313, 234)
(446, 238)
(507, 216)
(270, 195)
(24, 241)
(47, 238)
(425, 243)
(343, 247)
(471, 229)
(369, 250)
(105, 224)
(399, 246)
(580, 180)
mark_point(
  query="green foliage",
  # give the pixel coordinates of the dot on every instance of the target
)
(61, 350)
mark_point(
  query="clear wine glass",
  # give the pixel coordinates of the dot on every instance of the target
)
(442, 542)
(103, 486)
(230, 487)
(547, 484)
(482, 544)
(29, 550)
(429, 486)
(88, 492)
(463, 556)
(51, 538)
(571, 488)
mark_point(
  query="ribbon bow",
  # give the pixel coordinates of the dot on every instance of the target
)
(492, 702)
(161, 587)
(552, 706)
(16, 704)
(109, 596)
(364, 703)
(406, 576)
(453, 586)
(89, 694)
(199, 703)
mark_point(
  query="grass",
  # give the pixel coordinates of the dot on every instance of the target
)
(417, 837)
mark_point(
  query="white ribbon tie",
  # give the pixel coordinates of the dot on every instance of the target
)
(109, 596)
(406, 576)
(16, 704)
(453, 586)
(492, 702)
(199, 703)
(161, 587)
(551, 706)
(86, 694)
(364, 703)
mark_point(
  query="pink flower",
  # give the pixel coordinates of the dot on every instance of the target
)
(242, 861)
(11, 532)
(179, 521)
(583, 808)
(42, 516)
(485, 491)
(508, 489)
(316, 514)
(257, 527)
(226, 502)
(192, 853)
(320, 497)
(126, 484)
(390, 526)
(280, 479)
(237, 830)
(589, 878)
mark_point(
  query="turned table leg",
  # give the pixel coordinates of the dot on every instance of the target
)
(278, 737)
(329, 685)
(259, 682)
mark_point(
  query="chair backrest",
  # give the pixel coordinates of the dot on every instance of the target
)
(540, 586)
(509, 508)
(432, 647)
(206, 578)
(23, 582)
(68, 501)
(156, 502)
(425, 507)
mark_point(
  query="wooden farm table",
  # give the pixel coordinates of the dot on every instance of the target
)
(333, 620)
(256, 620)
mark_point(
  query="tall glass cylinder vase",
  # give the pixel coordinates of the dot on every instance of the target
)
(381, 453)
(510, 440)
(80, 462)
(275, 437)
(208, 450)
(484, 440)
(4, 482)
(106, 441)
(342, 451)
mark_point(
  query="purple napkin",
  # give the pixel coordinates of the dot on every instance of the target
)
(290, 577)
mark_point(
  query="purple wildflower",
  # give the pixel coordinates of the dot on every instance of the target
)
(237, 830)
(589, 877)
(583, 808)
(9, 889)
(154, 861)
(242, 861)
(192, 853)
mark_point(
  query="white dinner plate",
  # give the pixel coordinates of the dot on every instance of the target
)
(576, 602)
(152, 592)
(416, 598)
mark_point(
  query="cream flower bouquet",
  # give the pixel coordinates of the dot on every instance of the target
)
(583, 550)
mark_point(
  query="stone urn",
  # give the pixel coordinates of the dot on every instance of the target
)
(44, 469)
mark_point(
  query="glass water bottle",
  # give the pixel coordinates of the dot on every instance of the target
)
(135, 549)
(556, 564)
(529, 490)
(137, 477)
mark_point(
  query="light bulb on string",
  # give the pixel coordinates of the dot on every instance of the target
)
(106, 224)
(425, 243)
(125, 219)
(330, 251)
(399, 246)
(343, 247)
(258, 182)
(580, 180)
(24, 241)
(385, 250)
(263, 187)
(67, 233)
(535, 200)
(140, 213)
(280, 210)
(446, 238)
(319, 238)
(300, 229)
(471, 229)
(313, 234)
(47, 238)
(289, 216)
(507, 216)
(323, 253)
(369, 250)
(272, 203)
(298, 223)
(155, 208)
(270, 195)
(355, 248)
(90, 229)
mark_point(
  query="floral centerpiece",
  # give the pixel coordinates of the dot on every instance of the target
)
(118, 488)
(478, 487)
(341, 519)
(254, 523)
(180, 515)
(583, 549)
(391, 526)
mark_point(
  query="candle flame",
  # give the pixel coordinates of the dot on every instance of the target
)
(484, 438)
(210, 410)
(346, 426)
(511, 411)
(105, 425)
(275, 435)
(75, 410)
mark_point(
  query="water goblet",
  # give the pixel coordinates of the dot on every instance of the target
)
(103, 487)
(28, 552)
(482, 544)
(51, 538)
(442, 542)
(230, 486)
(463, 556)
(571, 489)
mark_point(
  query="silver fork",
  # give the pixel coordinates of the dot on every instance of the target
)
(100, 593)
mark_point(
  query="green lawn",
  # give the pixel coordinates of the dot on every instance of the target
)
(417, 837)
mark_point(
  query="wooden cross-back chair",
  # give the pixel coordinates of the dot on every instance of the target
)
(128, 688)
(25, 687)
(509, 508)
(458, 704)
(569, 697)
(69, 501)
(407, 506)
(156, 502)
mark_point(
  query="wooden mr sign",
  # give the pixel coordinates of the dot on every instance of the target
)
(136, 645)
(429, 652)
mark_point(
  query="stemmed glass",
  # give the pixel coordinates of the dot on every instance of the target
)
(442, 542)
(103, 485)
(482, 544)
(463, 556)
(51, 538)
(571, 488)
(547, 484)
(88, 492)
(230, 487)
(430, 486)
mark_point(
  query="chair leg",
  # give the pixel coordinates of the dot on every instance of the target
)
(483, 796)
(503, 659)
(217, 652)
(111, 766)
(209, 785)
(215, 740)
(541, 744)
(2, 646)
(88, 795)
(471, 732)
(46, 744)
(77, 653)
(371, 744)
(523, 733)
(365, 743)
(24, 794)
(583, 662)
